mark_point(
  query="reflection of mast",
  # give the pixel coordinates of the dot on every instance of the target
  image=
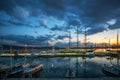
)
(77, 67)
(84, 66)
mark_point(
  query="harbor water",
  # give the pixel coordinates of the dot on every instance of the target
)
(56, 67)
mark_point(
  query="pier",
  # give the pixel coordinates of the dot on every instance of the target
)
(57, 55)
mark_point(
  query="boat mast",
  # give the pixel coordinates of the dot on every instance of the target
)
(85, 44)
(117, 38)
(1, 41)
(77, 53)
(69, 40)
(77, 37)
(117, 47)
(85, 52)
(109, 44)
(11, 56)
(25, 48)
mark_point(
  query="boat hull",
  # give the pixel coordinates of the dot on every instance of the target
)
(109, 73)
(15, 75)
(16, 72)
(35, 70)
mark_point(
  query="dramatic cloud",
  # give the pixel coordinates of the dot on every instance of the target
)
(88, 11)
(61, 37)
(26, 39)
(96, 15)
(57, 28)
(97, 29)
(43, 23)
(20, 13)
(116, 25)
(73, 44)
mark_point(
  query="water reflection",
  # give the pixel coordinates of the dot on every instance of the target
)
(57, 67)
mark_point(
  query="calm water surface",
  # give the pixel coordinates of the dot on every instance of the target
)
(57, 67)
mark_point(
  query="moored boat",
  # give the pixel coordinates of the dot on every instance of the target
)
(17, 70)
(111, 71)
(33, 69)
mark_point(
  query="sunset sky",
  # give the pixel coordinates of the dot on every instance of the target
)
(48, 22)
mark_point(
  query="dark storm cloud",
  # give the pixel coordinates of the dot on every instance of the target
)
(7, 5)
(88, 12)
(44, 38)
(30, 40)
(2, 24)
(19, 38)
(61, 37)
(73, 22)
(54, 8)
(96, 11)
(57, 28)
(13, 9)
(95, 30)
(62, 44)
(17, 23)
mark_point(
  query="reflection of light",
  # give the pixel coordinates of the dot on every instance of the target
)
(100, 50)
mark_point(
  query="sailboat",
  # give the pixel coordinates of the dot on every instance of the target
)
(112, 70)
(32, 69)
(71, 73)
(17, 71)
(4, 67)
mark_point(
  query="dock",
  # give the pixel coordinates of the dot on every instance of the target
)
(48, 55)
